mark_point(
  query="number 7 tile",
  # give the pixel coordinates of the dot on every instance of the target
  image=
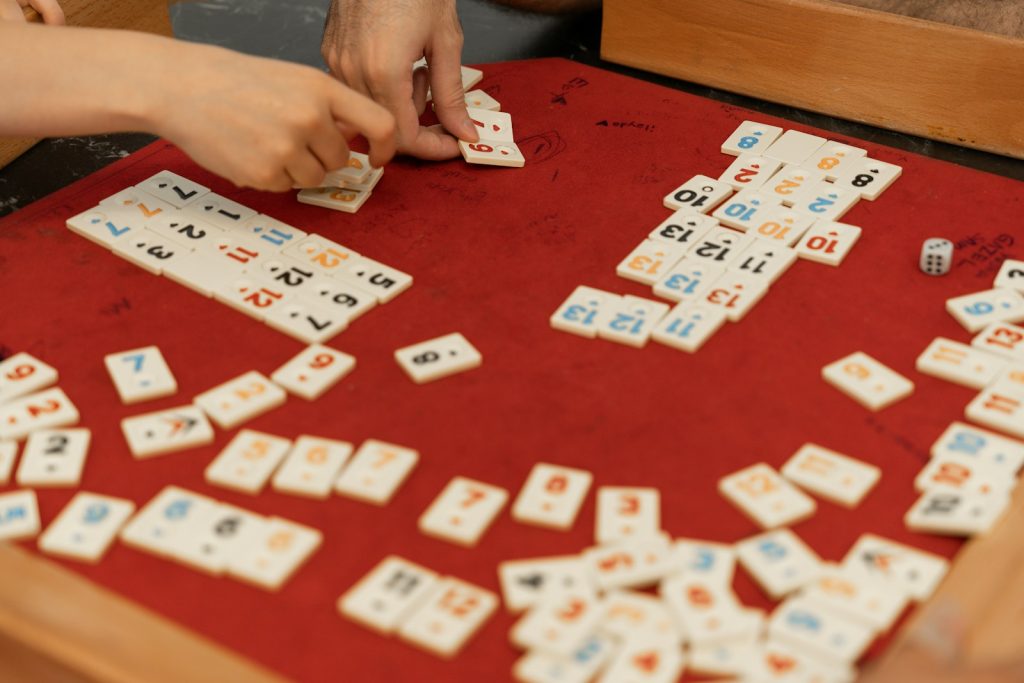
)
(463, 511)
(376, 471)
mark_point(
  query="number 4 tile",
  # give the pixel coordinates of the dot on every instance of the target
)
(166, 431)
(437, 358)
(463, 511)
(913, 571)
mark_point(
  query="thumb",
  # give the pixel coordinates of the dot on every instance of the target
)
(446, 91)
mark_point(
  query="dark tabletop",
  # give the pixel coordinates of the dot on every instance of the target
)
(291, 30)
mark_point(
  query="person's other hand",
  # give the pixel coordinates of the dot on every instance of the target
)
(264, 123)
(14, 10)
(371, 46)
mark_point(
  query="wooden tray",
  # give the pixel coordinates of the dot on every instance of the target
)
(937, 81)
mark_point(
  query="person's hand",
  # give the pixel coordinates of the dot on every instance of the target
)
(371, 45)
(263, 123)
(14, 10)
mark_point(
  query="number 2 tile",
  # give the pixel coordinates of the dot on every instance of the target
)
(240, 399)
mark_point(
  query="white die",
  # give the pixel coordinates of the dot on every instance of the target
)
(936, 256)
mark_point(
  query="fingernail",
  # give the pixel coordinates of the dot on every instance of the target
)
(470, 128)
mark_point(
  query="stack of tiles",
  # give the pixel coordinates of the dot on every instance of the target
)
(779, 201)
(345, 189)
(496, 146)
(303, 285)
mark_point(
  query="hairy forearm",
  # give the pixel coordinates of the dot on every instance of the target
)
(63, 81)
(1006, 18)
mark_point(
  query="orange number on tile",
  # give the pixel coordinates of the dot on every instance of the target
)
(473, 496)
(21, 372)
(321, 360)
(757, 484)
(317, 455)
(557, 483)
(857, 370)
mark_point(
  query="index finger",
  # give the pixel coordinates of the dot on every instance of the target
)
(354, 110)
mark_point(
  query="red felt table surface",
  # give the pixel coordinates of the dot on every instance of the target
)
(494, 252)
